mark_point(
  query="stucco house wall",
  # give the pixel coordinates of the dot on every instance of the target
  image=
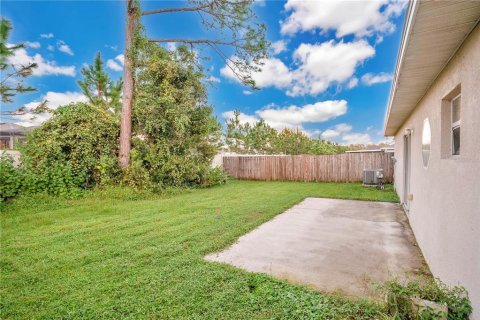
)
(445, 209)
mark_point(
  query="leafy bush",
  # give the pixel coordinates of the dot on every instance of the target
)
(10, 178)
(76, 147)
(212, 177)
(399, 300)
(175, 131)
(56, 179)
(137, 175)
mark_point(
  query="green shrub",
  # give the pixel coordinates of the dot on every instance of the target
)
(56, 179)
(175, 131)
(76, 147)
(137, 175)
(399, 300)
(73, 150)
(212, 177)
(10, 178)
(107, 171)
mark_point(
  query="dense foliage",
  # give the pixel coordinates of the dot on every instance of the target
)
(81, 136)
(10, 178)
(175, 134)
(57, 179)
(260, 138)
(74, 149)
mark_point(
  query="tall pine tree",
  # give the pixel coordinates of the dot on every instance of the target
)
(99, 88)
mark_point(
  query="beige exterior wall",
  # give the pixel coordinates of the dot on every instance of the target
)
(445, 210)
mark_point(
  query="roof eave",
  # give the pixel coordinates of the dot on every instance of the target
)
(409, 18)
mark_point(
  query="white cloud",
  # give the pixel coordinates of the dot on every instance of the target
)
(243, 118)
(274, 73)
(34, 45)
(120, 58)
(114, 48)
(171, 46)
(313, 133)
(342, 133)
(329, 134)
(46, 35)
(44, 67)
(54, 100)
(352, 83)
(63, 47)
(371, 79)
(279, 46)
(343, 127)
(345, 17)
(378, 39)
(50, 47)
(317, 67)
(338, 130)
(321, 65)
(356, 138)
(293, 117)
(212, 79)
(247, 92)
(111, 64)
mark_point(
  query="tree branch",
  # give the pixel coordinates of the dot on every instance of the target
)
(227, 63)
(186, 9)
(200, 41)
(17, 72)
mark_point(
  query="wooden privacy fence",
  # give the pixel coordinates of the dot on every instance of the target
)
(346, 167)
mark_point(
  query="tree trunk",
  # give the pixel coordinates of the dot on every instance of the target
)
(128, 87)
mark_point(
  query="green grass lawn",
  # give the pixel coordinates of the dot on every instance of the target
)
(117, 254)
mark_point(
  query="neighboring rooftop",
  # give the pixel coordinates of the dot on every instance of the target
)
(11, 127)
(432, 34)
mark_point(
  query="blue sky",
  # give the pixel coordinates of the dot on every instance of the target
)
(329, 71)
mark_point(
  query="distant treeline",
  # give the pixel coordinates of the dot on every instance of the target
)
(260, 138)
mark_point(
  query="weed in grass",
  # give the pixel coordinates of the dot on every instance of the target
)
(400, 304)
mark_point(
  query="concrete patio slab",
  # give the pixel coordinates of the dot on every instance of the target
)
(331, 245)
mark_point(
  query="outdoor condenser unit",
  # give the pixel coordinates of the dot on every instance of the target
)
(372, 177)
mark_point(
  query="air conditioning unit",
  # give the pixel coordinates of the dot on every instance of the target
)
(372, 177)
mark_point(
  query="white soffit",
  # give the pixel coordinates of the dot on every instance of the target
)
(433, 32)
